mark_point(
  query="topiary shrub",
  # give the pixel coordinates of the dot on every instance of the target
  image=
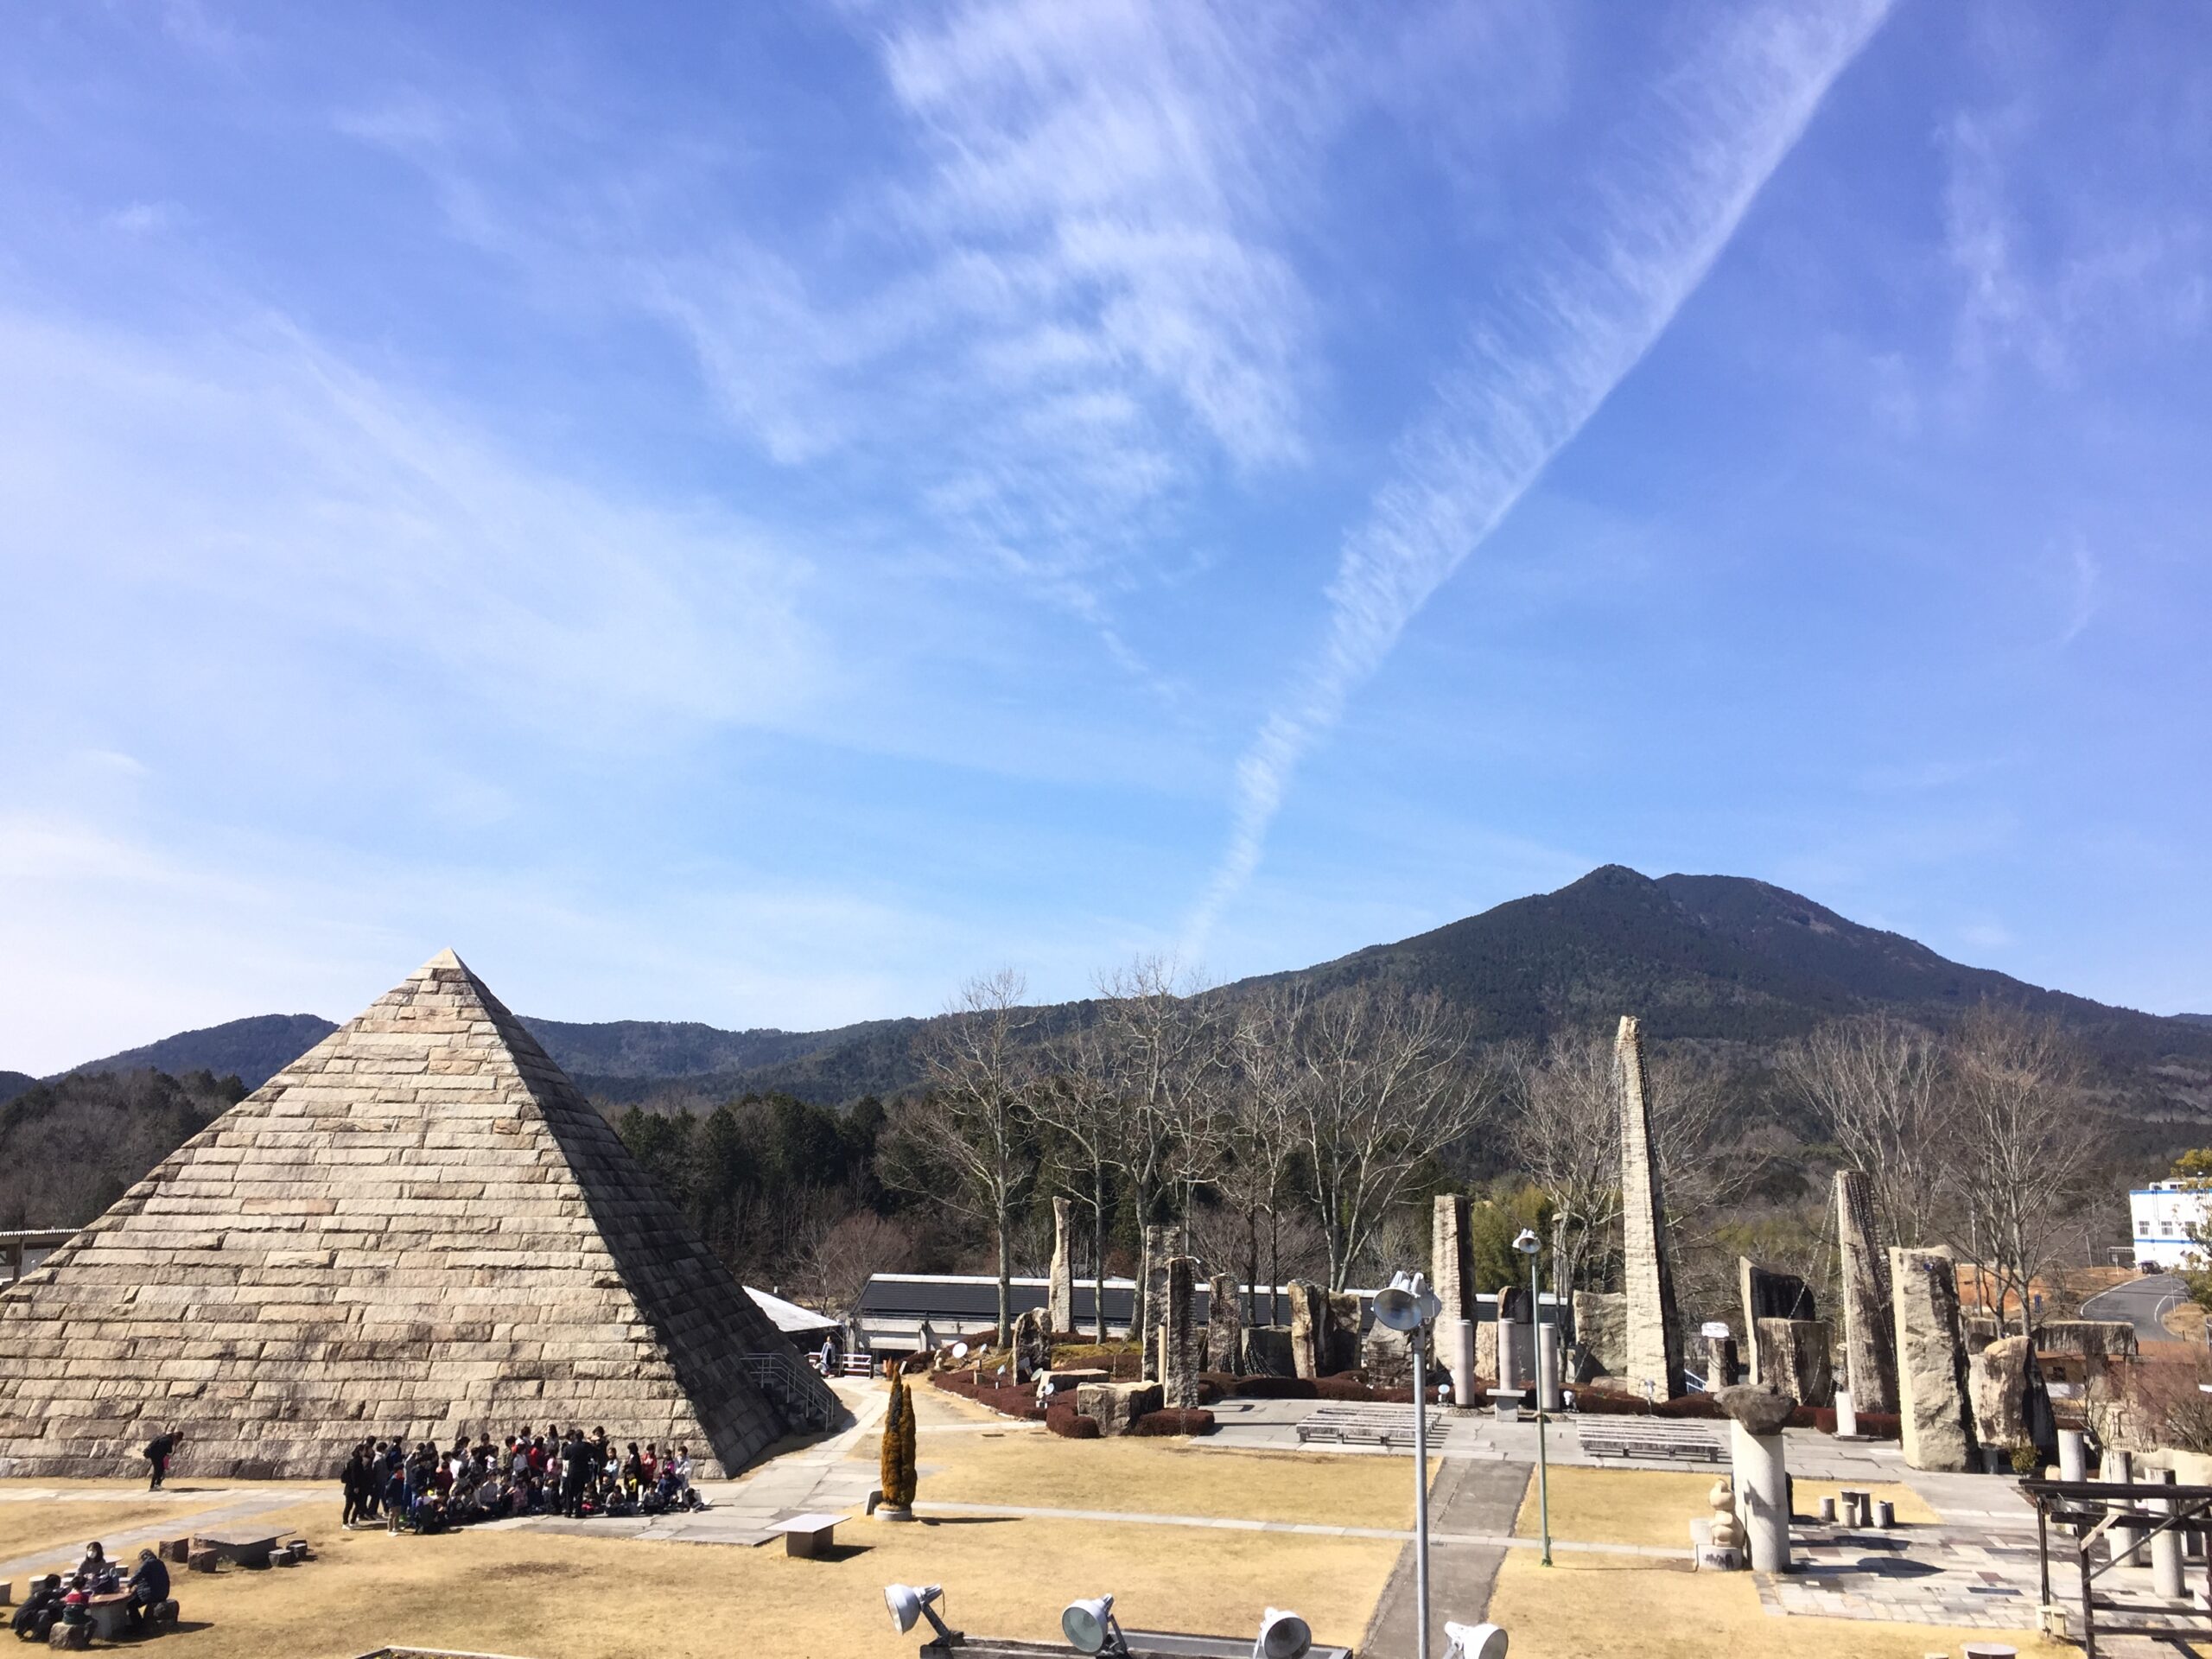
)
(1192, 1420)
(1070, 1424)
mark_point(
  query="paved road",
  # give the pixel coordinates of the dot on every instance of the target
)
(2139, 1301)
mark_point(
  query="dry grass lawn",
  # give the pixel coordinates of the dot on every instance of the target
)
(1637, 1506)
(1166, 1476)
(41, 1528)
(1590, 1604)
(550, 1597)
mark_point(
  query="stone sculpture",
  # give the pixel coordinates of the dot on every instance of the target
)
(1059, 1306)
(1225, 1325)
(1937, 1418)
(1601, 1331)
(1797, 1356)
(1654, 1341)
(1870, 1360)
(1767, 1294)
(1309, 1319)
(1179, 1358)
(1757, 1416)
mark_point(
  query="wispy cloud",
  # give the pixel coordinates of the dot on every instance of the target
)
(1559, 336)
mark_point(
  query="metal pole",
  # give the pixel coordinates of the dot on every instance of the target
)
(1543, 1470)
(1420, 1489)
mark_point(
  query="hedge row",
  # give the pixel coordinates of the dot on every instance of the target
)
(1194, 1420)
(1602, 1403)
(1011, 1402)
(1070, 1424)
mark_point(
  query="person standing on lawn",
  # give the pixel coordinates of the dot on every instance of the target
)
(158, 1451)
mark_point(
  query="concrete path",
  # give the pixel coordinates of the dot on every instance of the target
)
(236, 1504)
(1468, 1500)
(2140, 1302)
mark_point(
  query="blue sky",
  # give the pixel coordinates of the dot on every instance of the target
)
(753, 514)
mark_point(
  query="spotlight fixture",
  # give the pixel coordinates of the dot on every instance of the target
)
(1282, 1636)
(1473, 1641)
(1090, 1627)
(910, 1602)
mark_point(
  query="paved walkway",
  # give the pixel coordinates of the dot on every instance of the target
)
(1468, 1500)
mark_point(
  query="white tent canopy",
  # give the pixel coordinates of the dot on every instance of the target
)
(803, 1325)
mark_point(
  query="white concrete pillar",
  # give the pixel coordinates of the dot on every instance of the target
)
(1847, 1415)
(2126, 1541)
(1547, 1367)
(2073, 1455)
(1511, 1372)
(1456, 1338)
(2166, 1551)
(1762, 1496)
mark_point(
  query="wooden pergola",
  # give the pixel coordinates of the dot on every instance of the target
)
(2089, 1510)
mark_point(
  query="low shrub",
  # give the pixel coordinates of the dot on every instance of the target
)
(1194, 1420)
(1010, 1402)
(1070, 1424)
(1262, 1388)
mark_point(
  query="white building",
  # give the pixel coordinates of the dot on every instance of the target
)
(2163, 1214)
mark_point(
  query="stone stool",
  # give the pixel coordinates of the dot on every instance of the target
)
(1885, 1514)
(1827, 1511)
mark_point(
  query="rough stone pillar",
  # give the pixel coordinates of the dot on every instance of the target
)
(1309, 1319)
(1340, 1344)
(1451, 1262)
(1225, 1325)
(1059, 1297)
(1516, 1351)
(1798, 1358)
(1178, 1344)
(1655, 1343)
(1720, 1362)
(1601, 1329)
(1152, 1284)
(1268, 1350)
(1932, 1398)
(1870, 1356)
(1769, 1295)
(1486, 1353)
(1761, 1478)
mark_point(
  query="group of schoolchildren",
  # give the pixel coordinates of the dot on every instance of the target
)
(56, 1600)
(549, 1473)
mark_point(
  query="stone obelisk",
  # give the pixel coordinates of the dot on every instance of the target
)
(1869, 1328)
(1059, 1304)
(1655, 1344)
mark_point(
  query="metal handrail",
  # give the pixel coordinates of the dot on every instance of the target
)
(806, 1398)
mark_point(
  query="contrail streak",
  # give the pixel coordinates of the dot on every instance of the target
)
(1563, 332)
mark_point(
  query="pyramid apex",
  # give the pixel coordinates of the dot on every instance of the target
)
(446, 958)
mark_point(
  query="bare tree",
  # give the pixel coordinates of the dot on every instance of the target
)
(969, 1142)
(1873, 1081)
(838, 1260)
(1263, 1132)
(1566, 1135)
(1159, 1049)
(1383, 1090)
(1081, 1104)
(2017, 1147)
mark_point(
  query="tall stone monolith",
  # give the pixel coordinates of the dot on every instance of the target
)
(1654, 1341)
(1225, 1325)
(1180, 1356)
(1159, 1242)
(1309, 1323)
(1452, 1276)
(1060, 1303)
(1933, 1401)
(1870, 1355)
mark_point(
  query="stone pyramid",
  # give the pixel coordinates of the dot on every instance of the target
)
(418, 1227)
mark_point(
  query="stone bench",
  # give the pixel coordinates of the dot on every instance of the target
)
(808, 1536)
(1346, 1423)
(1647, 1437)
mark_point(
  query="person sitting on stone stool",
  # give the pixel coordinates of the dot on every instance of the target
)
(150, 1587)
(40, 1609)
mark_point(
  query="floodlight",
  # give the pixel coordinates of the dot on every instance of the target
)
(1528, 1243)
(1090, 1625)
(1473, 1641)
(1282, 1636)
(1406, 1302)
(960, 1351)
(909, 1602)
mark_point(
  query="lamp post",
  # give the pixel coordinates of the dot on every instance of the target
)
(1527, 1245)
(1407, 1304)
